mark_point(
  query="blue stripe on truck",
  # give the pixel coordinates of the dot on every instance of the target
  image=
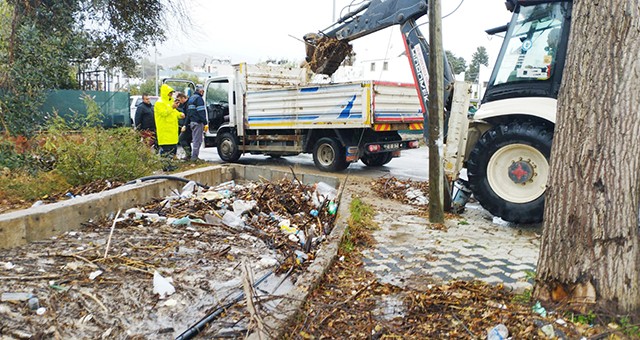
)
(310, 89)
(346, 112)
(281, 118)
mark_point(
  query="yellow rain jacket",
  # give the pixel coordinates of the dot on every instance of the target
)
(166, 117)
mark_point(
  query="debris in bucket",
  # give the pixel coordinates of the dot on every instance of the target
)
(325, 54)
(170, 261)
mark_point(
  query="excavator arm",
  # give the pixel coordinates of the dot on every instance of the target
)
(327, 49)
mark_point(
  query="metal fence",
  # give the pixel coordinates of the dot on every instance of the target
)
(68, 103)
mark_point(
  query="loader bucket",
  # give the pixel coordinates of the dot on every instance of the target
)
(325, 54)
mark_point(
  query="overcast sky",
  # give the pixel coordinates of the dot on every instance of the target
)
(254, 30)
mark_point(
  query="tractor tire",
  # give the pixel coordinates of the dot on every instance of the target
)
(508, 170)
(377, 159)
(328, 155)
(228, 147)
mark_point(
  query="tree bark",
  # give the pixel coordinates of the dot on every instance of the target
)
(590, 251)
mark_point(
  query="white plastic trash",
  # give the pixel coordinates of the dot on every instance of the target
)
(162, 286)
(232, 220)
(188, 189)
(326, 190)
(241, 206)
(499, 332)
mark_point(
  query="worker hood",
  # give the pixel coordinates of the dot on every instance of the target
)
(164, 92)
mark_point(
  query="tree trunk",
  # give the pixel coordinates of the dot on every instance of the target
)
(590, 251)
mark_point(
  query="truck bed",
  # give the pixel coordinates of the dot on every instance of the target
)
(350, 105)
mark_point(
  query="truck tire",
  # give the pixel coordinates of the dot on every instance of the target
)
(508, 170)
(328, 155)
(379, 159)
(228, 147)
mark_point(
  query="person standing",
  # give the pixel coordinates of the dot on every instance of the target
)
(144, 122)
(166, 117)
(185, 136)
(197, 120)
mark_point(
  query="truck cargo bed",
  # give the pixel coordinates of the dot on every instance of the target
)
(355, 104)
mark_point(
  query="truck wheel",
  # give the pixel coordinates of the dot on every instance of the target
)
(328, 155)
(508, 170)
(228, 147)
(377, 159)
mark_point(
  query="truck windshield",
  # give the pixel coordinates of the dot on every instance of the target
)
(529, 51)
(217, 92)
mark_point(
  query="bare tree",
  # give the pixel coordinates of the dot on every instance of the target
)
(590, 252)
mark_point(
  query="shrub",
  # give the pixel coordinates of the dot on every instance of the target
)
(85, 152)
(97, 154)
(10, 157)
(72, 153)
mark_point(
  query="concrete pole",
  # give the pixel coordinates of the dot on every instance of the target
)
(436, 114)
(155, 60)
(333, 13)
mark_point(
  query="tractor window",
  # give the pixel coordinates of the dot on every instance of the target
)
(531, 45)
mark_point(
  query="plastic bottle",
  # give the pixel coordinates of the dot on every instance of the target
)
(16, 296)
(332, 208)
(499, 332)
(302, 239)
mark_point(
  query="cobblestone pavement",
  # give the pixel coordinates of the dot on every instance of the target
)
(409, 253)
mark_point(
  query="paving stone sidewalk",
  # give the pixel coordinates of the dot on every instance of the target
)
(409, 253)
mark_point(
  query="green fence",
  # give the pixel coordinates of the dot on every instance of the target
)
(68, 103)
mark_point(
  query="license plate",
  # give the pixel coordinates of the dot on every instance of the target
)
(392, 146)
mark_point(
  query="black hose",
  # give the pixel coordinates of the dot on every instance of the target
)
(175, 178)
(200, 325)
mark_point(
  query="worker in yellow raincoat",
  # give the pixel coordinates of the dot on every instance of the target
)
(166, 117)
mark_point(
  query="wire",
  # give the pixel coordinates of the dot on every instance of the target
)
(450, 13)
(455, 10)
(169, 177)
(386, 53)
(349, 6)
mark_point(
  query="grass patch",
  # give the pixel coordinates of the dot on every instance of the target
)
(24, 186)
(524, 297)
(359, 226)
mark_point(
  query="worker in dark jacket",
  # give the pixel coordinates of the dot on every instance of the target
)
(144, 121)
(197, 120)
(185, 137)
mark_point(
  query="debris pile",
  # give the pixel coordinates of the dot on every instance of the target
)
(152, 271)
(405, 191)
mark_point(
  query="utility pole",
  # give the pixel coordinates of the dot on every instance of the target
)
(436, 115)
(333, 13)
(155, 60)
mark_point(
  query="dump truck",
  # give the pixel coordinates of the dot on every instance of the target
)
(273, 110)
(506, 145)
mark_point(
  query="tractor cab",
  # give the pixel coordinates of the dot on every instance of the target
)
(532, 56)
